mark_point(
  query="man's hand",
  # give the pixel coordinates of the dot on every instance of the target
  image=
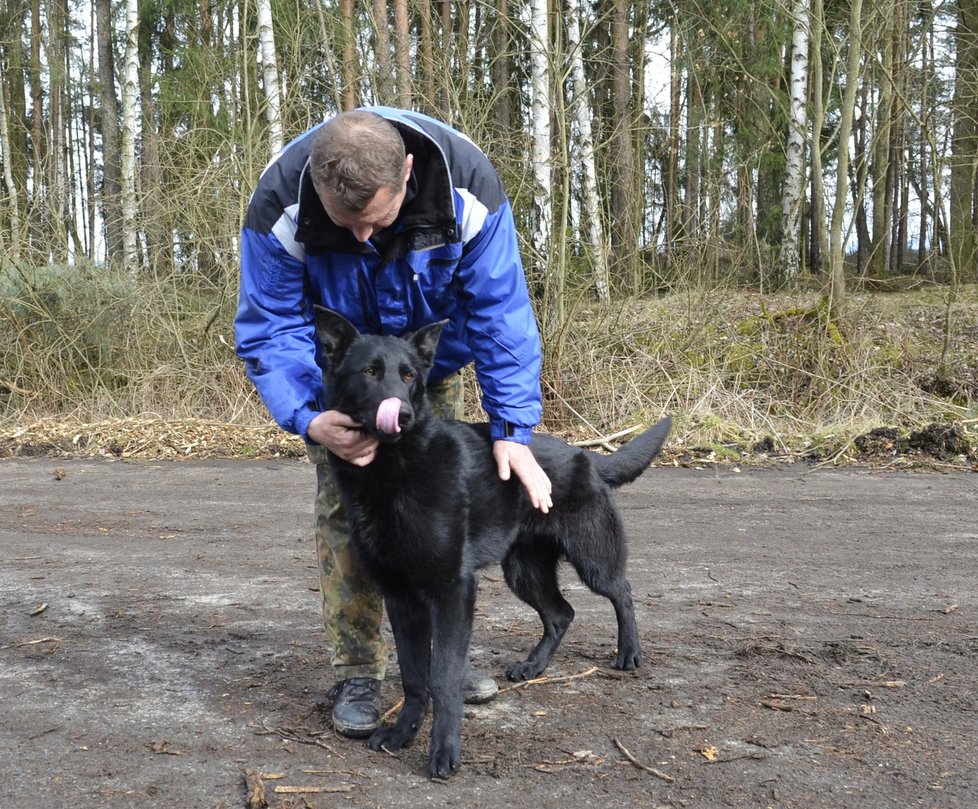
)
(342, 436)
(512, 457)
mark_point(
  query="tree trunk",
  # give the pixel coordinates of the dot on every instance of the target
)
(623, 204)
(837, 278)
(672, 213)
(130, 96)
(542, 231)
(269, 72)
(964, 143)
(109, 119)
(37, 129)
(926, 122)
(590, 204)
(794, 181)
(819, 245)
(864, 239)
(152, 197)
(882, 177)
(384, 92)
(8, 179)
(425, 84)
(499, 70)
(351, 72)
(402, 54)
(694, 158)
(56, 196)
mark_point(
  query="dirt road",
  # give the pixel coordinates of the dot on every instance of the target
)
(810, 637)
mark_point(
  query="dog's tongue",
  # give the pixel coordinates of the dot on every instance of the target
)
(387, 415)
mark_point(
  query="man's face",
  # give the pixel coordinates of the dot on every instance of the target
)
(378, 214)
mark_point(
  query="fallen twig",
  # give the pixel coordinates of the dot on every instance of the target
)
(292, 736)
(640, 765)
(393, 710)
(32, 643)
(546, 679)
(287, 790)
(605, 441)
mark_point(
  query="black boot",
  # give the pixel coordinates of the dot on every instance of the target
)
(477, 688)
(356, 706)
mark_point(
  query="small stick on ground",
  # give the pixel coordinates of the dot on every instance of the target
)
(393, 710)
(293, 736)
(645, 767)
(540, 680)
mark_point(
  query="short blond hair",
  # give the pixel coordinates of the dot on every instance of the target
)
(355, 155)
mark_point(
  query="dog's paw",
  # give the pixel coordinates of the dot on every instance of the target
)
(628, 660)
(524, 670)
(445, 758)
(392, 738)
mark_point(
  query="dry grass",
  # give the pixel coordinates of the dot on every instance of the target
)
(102, 365)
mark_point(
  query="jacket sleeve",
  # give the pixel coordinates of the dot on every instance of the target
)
(275, 331)
(501, 328)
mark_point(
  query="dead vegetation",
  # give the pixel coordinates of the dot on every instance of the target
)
(111, 367)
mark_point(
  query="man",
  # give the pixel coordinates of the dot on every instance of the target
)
(396, 221)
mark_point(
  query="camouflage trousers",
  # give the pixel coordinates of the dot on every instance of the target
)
(352, 606)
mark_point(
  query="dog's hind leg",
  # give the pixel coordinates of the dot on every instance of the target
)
(411, 624)
(531, 573)
(601, 566)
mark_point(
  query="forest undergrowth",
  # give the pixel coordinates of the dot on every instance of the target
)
(103, 365)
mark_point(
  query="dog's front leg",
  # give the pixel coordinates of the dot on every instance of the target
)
(410, 621)
(452, 630)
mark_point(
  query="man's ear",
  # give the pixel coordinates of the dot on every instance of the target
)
(335, 333)
(425, 341)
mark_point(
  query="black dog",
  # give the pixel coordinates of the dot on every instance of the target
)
(430, 510)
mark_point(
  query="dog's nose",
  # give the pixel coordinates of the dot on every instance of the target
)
(405, 416)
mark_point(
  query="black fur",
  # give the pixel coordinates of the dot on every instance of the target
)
(430, 511)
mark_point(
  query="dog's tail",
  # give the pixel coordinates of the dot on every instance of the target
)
(633, 458)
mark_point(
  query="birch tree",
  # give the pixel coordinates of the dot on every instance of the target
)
(269, 73)
(837, 279)
(590, 204)
(130, 96)
(542, 229)
(794, 180)
(8, 178)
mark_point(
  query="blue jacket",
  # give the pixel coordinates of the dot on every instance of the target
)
(452, 254)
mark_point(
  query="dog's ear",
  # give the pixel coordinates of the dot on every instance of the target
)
(335, 333)
(425, 341)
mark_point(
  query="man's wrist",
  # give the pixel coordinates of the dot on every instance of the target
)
(500, 430)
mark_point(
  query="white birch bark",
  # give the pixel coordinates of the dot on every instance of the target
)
(8, 179)
(794, 181)
(542, 230)
(837, 237)
(591, 208)
(130, 97)
(269, 73)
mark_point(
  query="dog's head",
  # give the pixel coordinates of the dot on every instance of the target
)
(377, 381)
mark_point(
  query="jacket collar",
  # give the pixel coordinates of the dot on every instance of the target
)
(426, 218)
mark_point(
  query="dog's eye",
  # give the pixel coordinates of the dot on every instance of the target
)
(370, 371)
(407, 376)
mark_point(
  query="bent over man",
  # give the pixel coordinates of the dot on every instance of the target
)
(396, 221)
